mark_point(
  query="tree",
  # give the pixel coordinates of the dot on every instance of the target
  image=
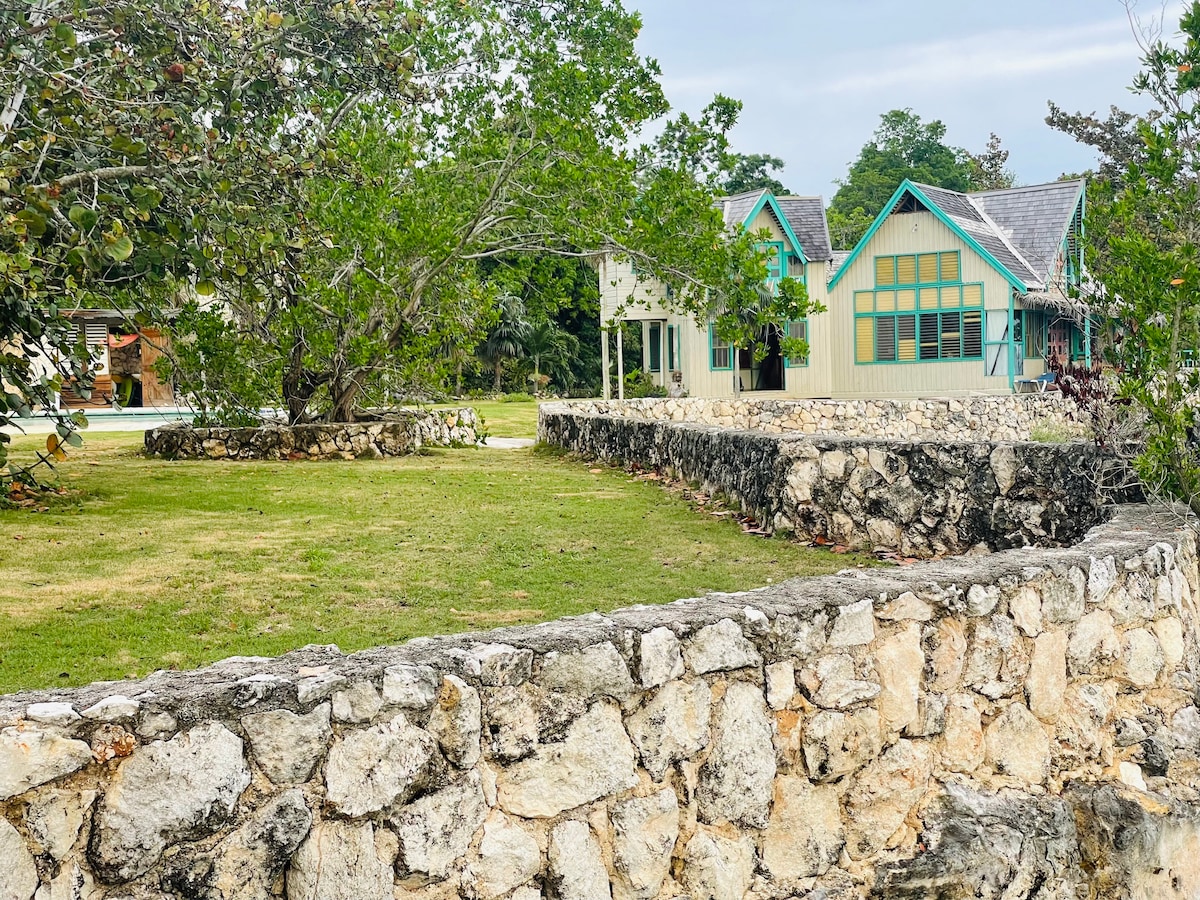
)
(989, 169)
(902, 147)
(1147, 260)
(753, 172)
(142, 141)
(547, 343)
(1117, 138)
(507, 337)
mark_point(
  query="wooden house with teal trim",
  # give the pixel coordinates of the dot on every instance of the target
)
(684, 356)
(952, 293)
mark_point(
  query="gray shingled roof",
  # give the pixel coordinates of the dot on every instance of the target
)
(1035, 219)
(806, 215)
(739, 206)
(971, 218)
(836, 261)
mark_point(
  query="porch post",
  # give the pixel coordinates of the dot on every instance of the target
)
(620, 361)
(1087, 340)
(605, 366)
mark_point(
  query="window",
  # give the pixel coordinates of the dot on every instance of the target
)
(655, 348)
(798, 331)
(672, 356)
(998, 342)
(919, 311)
(720, 353)
(1033, 334)
(776, 260)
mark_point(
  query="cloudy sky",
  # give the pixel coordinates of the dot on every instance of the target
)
(815, 75)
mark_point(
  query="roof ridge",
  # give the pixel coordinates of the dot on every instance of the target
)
(744, 194)
(1027, 187)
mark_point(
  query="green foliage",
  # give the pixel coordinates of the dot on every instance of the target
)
(1146, 254)
(639, 384)
(753, 172)
(989, 169)
(902, 147)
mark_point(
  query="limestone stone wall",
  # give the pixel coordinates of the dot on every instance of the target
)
(395, 434)
(1001, 418)
(919, 498)
(1016, 725)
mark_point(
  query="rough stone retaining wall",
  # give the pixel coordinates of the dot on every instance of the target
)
(1018, 725)
(397, 434)
(1000, 418)
(918, 498)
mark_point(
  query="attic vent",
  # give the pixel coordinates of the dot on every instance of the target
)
(910, 204)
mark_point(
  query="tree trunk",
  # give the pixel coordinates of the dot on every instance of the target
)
(496, 382)
(345, 402)
(297, 388)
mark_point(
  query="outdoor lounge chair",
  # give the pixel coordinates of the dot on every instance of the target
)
(1038, 385)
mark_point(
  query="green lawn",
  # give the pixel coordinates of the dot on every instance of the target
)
(510, 420)
(176, 564)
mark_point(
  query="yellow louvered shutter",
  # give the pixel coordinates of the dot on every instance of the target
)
(951, 297)
(906, 270)
(906, 338)
(929, 298)
(864, 302)
(928, 268)
(885, 271)
(972, 295)
(885, 301)
(906, 301)
(864, 340)
(949, 267)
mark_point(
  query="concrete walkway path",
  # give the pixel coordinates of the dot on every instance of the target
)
(502, 443)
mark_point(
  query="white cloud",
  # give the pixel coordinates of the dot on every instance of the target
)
(987, 57)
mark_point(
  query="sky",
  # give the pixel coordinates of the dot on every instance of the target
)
(815, 75)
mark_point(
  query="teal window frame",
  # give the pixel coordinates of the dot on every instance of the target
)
(920, 316)
(802, 361)
(713, 346)
(776, 269)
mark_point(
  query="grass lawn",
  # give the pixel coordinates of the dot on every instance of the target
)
(510, 420)
(176, 564)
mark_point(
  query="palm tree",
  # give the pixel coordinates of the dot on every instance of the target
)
(506, 340)
(548, 343)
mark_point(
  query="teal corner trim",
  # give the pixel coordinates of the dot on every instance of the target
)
(1012, 339)
(768, 199)
(908, 187)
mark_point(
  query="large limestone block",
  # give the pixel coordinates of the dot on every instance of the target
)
(54, 819)
(644, 833)
(596, 758)
(374, 768)
(591, 672)
(341, 861)
(900, 662)
(247, 863)
(1017, 745)
(661, 658)
(854, 625)
(1047, 681)
(1141, 658)
(804, 836)
(883, 795)
(1063, 597)
(286, 746)
(672, 726)
(18, 874)
(33, 756)
(720, 647)
(836, 744)
(963, 746)
(455, 721)
(436, 830)
(736, 779)
(576, 866)
(947, 655)
(1093, 645)
(508, 857)
(166, 792)
(718, 867)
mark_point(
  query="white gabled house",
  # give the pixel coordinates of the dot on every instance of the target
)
(681, 355)
(947, 293)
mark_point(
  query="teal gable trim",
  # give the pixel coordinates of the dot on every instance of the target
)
(909, 188)
(768, 199)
